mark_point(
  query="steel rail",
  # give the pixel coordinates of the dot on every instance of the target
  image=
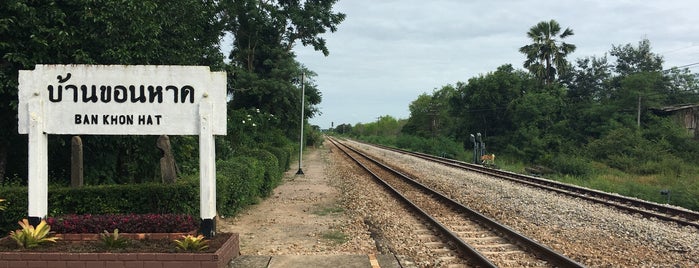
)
(514, 237)
(642, 207)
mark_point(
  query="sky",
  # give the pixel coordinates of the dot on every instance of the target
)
(388, 52)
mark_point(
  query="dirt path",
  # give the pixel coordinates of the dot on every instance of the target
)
(304, 216)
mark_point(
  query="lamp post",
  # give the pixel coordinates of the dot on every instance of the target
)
(303, 97)
(482, 144)
(475, 149)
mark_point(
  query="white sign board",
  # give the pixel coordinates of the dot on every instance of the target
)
(122, 100)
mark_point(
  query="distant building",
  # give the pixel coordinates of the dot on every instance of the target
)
(685, 114)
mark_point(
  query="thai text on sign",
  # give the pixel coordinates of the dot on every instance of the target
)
(122, 100)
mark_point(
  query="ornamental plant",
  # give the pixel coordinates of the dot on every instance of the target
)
(126, 223)
(29, 237)
(2, 207)
(192, 243)
(113, 240)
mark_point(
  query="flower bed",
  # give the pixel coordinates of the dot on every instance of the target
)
(219, 255)
(126, 223)
(134, 236)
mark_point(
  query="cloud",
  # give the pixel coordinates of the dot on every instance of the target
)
(386, 53)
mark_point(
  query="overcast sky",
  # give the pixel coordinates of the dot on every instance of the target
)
(386, 53)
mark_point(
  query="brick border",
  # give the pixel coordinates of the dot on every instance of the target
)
(134, 236)
(219, 259)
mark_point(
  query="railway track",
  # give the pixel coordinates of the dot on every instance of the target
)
(647, 209)
(469, 237)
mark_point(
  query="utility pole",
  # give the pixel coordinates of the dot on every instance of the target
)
(303, 97)
(638, 114)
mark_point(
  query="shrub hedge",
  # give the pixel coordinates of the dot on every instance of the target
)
(283, 156)
(238, 180)
(241, 181)
(179, 198)
(272, 170)
(126, 223)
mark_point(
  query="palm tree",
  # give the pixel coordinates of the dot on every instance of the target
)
(547, 50)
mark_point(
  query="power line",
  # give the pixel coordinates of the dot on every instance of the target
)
(688, 65)
(678, 49)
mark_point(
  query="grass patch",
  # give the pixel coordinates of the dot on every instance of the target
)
(328, 210)
(683, 187)
(336, 237)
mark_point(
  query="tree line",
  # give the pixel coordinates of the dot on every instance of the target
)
(574, 117)
(263, 74)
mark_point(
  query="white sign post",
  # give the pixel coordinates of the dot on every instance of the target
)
(121, 100)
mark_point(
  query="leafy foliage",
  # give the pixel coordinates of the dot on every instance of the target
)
(113, 240)
(272, 170)
(239, 183)
(264, 84)
(127, 223)
(179, 198)
(546, 55)
(440, 146)
(482, 104)
(264, 74)
(192, 243)
(598, 119)
(99, 32)
(30, 237)
(429, 114)
(384, 126)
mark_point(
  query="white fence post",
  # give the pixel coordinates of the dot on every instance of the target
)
(207, 169)
(38, 163)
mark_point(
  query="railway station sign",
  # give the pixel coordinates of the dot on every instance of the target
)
(121, 100)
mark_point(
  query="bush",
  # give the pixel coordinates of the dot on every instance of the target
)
(571, 165)
(439, 146)
(192, 243)
(145, 198)
(272, 171)
(16, 207)
(283, 156)
(313, 137)
(178, 198)
(31, 237)
(126, 223)
(239, 180)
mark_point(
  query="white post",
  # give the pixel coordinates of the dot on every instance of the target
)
(207, 169)
(303, 97)
(38, 163)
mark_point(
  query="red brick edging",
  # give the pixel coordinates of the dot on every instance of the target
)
(135, 236)
(219, 259)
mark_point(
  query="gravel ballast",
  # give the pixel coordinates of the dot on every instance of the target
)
(592, 234)
(374, 222)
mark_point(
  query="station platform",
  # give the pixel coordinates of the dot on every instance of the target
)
(334, 261)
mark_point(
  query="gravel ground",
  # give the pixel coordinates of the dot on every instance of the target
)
(288, 223)
(591, 234)
(304, 216)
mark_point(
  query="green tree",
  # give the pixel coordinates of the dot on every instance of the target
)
(546, 55)
(682, 86)
(539, 125)
(482, 104)
(589, 81)
(639, 83)
(99, 32)
(422, 117)
(343, 128)
(429, 114)
(388, 125)
(630, 59)
(263, 72)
